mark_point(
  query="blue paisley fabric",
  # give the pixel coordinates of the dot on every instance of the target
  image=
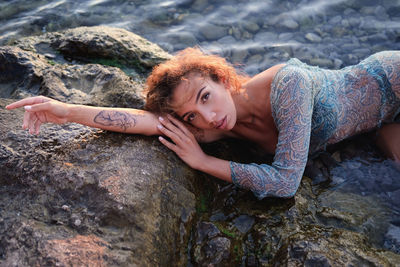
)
(314, 107)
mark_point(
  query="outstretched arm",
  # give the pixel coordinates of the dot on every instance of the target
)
(40, 109)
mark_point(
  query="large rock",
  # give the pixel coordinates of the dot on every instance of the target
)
(74, 195)
(80, 196)
(25, 73)
(119, 46)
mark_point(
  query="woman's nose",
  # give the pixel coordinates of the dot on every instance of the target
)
(210, 118)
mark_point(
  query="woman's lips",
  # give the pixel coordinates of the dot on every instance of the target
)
(221, 124)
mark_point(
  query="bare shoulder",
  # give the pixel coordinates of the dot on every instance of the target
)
(264, 78)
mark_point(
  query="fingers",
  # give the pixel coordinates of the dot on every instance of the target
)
(37, 126)
(179, 124)
(38, 107)
(31, 123)
(177, 127)
(28, 101)
(173, 134)
(25, 123)
(169, 125)
(170, 145)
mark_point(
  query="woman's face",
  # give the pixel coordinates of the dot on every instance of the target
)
(204, 103)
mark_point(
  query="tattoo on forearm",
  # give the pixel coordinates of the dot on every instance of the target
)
(120, 119)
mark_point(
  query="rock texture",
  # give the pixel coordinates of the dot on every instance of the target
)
(100, 42)
(76, 196)
(79, 196)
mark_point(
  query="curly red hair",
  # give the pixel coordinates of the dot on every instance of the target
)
(167, 76)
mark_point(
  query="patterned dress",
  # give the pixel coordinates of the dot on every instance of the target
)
(314, 107)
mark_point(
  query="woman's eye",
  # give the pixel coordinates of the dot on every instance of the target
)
(205, 97)
(191, 117)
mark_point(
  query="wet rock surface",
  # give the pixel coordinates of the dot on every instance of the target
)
(331, 221)
(80, 196)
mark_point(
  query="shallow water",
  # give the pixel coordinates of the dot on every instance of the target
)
(254, 34)
(258, 34)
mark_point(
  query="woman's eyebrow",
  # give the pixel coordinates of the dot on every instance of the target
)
(199, 93)
(197, 100)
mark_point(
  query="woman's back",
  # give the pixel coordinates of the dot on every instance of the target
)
(348, 101)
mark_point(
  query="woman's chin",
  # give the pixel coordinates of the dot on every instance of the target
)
(230, 124)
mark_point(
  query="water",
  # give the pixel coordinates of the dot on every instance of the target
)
(253, 34)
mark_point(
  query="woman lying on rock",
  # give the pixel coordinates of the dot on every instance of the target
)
(291, 110)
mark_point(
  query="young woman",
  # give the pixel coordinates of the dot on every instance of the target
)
(291, 110)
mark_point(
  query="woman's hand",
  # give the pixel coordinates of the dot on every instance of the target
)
(39, 110)
(185, 144)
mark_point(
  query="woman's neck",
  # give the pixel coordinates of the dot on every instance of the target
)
(253, 99)
(245, 107)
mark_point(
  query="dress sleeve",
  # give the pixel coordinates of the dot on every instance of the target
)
(292, 106)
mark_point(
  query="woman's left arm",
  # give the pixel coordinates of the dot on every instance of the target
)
(293, 106)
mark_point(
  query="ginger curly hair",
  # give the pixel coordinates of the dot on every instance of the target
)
(167, 76)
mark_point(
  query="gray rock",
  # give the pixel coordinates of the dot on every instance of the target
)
(286, 36)
(206, 230)
(254, 60)
(337, 65)
(98, 42)
(212, 32)
(312, 37)
(239, 55)
(250, 26)
(227, 40)
(79, 196)
(199, 5)
(335, 20)
(81, 84)
(321, 62)
(183, 38)
(217, 250)
(265, 37)
(243, 223)
(290, 24)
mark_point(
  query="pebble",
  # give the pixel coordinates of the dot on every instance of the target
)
(351, 165)
(50, 56)
(263, 37)
(239, 55)
(250, 26)
(206, 230)
(243, 223)
(65, 207)
(290, 24)
(183, 38)
(212, 32)
(286, 36)
(393, 238)
(312, 37)
(337, 64)
(217, 250)
(77, 222)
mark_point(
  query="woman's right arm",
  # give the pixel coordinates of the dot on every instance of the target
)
(40, 109)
